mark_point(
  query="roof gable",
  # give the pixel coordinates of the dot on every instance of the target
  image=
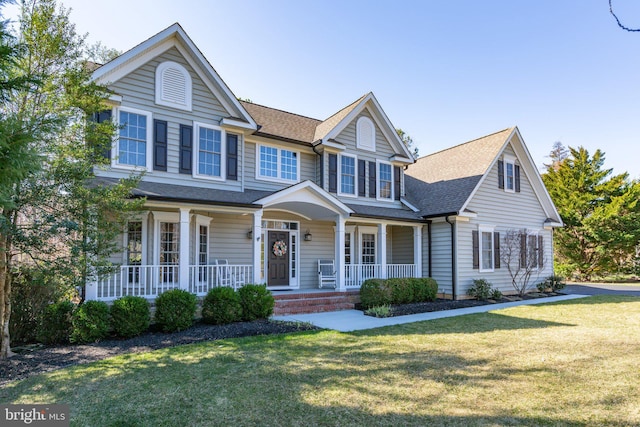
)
(175, 36)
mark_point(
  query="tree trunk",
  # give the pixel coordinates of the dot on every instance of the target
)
(5, 298)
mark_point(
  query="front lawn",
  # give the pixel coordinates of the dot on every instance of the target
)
(568, 363)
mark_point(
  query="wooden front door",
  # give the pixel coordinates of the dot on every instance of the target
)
(278, 259)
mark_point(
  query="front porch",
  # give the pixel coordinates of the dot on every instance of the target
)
(149, 281)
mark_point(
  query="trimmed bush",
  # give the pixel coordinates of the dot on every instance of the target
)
(374, 293)
(90, 322)
(175, 310)
(130, 316)
(496, 294)
(220, 306)
(424, 289)
(401, 291)
(57, 323)
(481, 289)
(256, 302)
(379, 311)
(555, 282)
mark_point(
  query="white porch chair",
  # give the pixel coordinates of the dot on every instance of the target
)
(225, 275)
(326, 273)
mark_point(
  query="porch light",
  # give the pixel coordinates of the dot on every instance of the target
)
(308, 236)
(250, 234)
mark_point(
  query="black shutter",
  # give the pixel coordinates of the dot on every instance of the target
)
(232, 157)
(496, 250)
(516, 171)
(186, 147)
(372, 179)
(396, 182)
(321, 170)
(362, 178)
(99, 117)
(500, 174)
(333, 173)
(476, 249)
(540, 252)
(523, 250)
(159, 145)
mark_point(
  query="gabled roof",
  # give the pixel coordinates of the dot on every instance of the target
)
(281, 124)
(328, 125)
(170, 37)
(443, 183)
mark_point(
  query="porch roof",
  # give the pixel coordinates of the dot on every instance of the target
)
(377, 212)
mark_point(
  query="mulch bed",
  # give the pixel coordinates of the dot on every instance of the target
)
(33, 360)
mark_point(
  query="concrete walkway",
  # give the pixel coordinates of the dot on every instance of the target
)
(355, 320)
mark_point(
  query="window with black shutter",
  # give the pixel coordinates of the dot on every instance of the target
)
(232, 157)
(475, 243)
(160, 145)
(517, 177)
(186, 148)
(496, 250)
(396, 182)
(362, 178)
(372, 180)
(99, 117)
(500, 174)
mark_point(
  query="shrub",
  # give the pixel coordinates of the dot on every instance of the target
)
(221, 305)
(373, 293)
(496, 294)
(90, 322)
(424, 289)
(555, 282)
(57, 323)
(401, 290)
(379, 311)
(130, 316)
(256, 302)
(175, 310)
(480, 290)
(542, 286)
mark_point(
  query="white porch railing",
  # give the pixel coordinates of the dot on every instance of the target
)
(356, 274)
(146, 281)
(202, 278)
(149, 281)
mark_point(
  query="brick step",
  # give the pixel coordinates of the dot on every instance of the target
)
(314, 302)
(286, 310)
(313, 295)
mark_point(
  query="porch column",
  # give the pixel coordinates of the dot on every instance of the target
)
(257, 235)
(382, 249)
(417, 249)
(339, 252)
(183, 260)
(91, 290)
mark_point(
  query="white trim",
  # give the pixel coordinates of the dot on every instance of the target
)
(234, 123)
(292, 193)
(278, 164)
(142, 217)
(160, 99)
(506, 161)
(378, 196)
(368, 230)
(355, 175)
(115, 146)
(361, 143)
(294, 282)
(409, 205)
(159, 217)
(485, 229)
(196, 152)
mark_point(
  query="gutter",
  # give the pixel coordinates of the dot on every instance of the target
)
(454, 285)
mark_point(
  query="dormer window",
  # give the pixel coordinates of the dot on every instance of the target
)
(508, 174)
(173, 86)
(365, 134)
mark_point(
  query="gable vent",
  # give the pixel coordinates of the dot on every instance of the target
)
(173, 86)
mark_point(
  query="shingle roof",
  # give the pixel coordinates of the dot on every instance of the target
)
(382, 212)
(326, 126)
(441, 183)
(282, 124)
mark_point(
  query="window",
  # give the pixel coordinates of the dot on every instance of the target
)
(365, 134)
(486, 255)
(486, 249)
(134, 250)
(277, 164)
(210, 152)
(133, 145)
(347, 175)
(203, 252)
(508, 174)
(368, 248)
(385, 181)
(508, 178)
(169, 251)
(347, 248)
(532, 251)
(173, 86)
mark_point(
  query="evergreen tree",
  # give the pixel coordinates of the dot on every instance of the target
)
(600, 212)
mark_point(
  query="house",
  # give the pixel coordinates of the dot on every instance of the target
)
(239, 193)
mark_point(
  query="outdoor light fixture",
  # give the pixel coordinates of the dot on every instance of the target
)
(250, 234)
(308, 236)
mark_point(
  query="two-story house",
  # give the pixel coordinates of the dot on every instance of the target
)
(241, 193)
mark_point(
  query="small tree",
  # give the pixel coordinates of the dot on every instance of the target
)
(521, 260)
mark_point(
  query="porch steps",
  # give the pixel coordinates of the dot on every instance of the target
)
(314, 302)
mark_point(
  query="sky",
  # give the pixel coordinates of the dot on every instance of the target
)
(445, 72)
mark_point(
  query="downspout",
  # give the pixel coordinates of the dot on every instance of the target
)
(430, 273)
(453, 259)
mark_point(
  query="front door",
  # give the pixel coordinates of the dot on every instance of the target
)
(278, 263)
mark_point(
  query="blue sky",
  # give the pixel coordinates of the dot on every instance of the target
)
(444, 71)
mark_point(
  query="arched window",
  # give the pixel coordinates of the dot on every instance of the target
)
(173, 86)
(365, 134)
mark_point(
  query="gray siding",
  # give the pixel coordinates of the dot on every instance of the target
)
(138, 91)
(401, 245)
(441, 246)
(503, 210)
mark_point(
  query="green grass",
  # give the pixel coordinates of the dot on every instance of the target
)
(570, 363)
